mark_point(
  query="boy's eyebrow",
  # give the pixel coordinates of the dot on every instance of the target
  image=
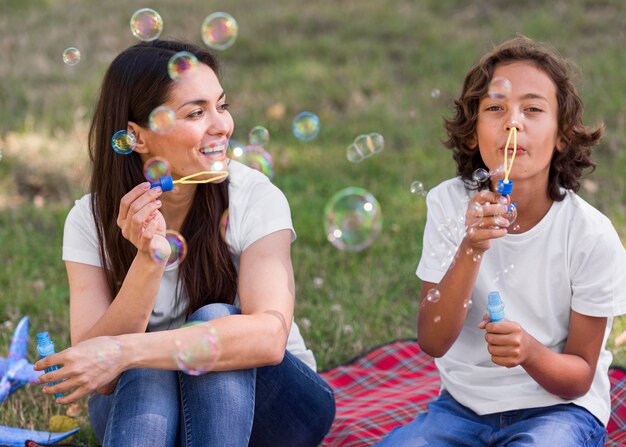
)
(534, 96)
(201, 102)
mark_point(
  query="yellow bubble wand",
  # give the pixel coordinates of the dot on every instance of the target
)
(167, 184)
(505, 186)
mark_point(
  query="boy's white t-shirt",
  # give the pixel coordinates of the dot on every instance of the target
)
(256, 208)
(572, 259)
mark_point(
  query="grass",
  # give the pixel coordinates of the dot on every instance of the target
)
(362, 66)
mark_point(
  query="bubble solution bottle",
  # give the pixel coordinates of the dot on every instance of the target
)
(495, 307)
(45, 347)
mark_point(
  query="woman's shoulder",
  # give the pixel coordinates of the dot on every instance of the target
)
(81, 208)
(245, 182)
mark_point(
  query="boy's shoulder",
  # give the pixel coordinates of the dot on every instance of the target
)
(582, 214)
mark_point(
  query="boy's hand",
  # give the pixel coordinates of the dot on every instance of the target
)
(484, 220)
(507, 342)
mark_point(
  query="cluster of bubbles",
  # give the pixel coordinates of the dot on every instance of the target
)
(200, 355)
(218, 31)
(71, 56)
(353, 219)
(254, 155)
(306, 126)
(365, 146)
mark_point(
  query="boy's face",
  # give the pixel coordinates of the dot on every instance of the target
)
(531, 107)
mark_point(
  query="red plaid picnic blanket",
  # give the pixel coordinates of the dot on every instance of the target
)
(389, 385)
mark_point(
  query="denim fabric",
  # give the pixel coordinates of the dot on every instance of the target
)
(448, 423)
(283, 405)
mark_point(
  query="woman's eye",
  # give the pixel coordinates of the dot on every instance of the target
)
(225, 106)
(195, 114)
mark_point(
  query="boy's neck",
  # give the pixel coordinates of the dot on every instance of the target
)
(533, 203)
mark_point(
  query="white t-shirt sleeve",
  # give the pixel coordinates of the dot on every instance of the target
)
(267, 212)
(80, 243)
(598, 274)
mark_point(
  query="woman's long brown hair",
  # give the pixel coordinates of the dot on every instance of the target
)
(137, 82)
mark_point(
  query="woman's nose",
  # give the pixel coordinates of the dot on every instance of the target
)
(220, 123)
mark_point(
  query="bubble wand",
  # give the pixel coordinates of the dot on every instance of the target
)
(505, 186)
(167, 184)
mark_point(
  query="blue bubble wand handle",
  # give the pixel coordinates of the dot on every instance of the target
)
(45, 347)
(495, 307)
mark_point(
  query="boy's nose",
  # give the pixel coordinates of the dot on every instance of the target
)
(513, 122)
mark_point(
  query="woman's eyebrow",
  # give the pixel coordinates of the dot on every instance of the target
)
(201, 102)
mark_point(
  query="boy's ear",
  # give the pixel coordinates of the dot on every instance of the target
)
(560, 143)
(472, 142)
(138, 131)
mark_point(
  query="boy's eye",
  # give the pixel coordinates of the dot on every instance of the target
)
(534, 109)
(493, 108)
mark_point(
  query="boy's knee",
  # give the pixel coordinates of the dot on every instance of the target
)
(213, 311)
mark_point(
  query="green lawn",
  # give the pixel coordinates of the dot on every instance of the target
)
(362, 65)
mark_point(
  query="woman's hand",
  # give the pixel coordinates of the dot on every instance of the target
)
(141, 221)
(93, 365)
(484, 220)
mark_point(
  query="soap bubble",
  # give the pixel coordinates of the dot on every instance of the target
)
(499, 88)
(235, 149)
(353, 219)
(258, 158)
(480, 175)
(162, 120)
(181, 63)
(474, 215)
(219, 30)
(306, 126)
(123, 142)
(197, 355)
(370, 144)
(155, 168)
(258, 136)
(433, 295)
(109, 353)
(178, 247)
(435, 93)
(417, 188)
(146, 24)
(71, 56)
(353, 154)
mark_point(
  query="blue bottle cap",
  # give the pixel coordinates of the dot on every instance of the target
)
(166, 183)
(505, 188)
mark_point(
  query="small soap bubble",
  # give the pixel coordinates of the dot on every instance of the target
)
(155, 168)
(258, 136)
(474, 215)
(306, 126)
(110, 353)
(258, 158)
(146, 24)
(435, 93)
(224, 224)
(71, 56)
(499, 88)
(219, 30)
(516, 227)
(370, 144)
(353, 154)
(123, 142)
(437, 318)
(480, 175)
(180, 64)
(417, 188)
(198, 355)
(178, 246)
(162, 120)
(433, 295)
(467, 304)
(498, 171)
(477, 257)
(353, 219)
(318, 282)
(217, 166)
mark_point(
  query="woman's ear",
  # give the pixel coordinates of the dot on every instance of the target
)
(139, 133)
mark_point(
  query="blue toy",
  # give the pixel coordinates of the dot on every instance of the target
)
(15, 371)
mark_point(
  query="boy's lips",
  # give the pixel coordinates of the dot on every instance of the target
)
(520, 149)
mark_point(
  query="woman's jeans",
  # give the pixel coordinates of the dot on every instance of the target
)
(448, 423)
(283, 405)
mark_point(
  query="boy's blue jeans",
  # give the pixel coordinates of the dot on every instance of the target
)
(448, 423)
(283, 405)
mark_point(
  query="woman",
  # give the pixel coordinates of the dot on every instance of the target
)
(262, 388)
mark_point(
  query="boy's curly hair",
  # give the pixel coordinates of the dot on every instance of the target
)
(567, 166)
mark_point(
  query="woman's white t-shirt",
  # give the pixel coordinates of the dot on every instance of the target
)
(256, 208)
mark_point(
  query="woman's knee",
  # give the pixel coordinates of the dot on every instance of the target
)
(213, 311)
